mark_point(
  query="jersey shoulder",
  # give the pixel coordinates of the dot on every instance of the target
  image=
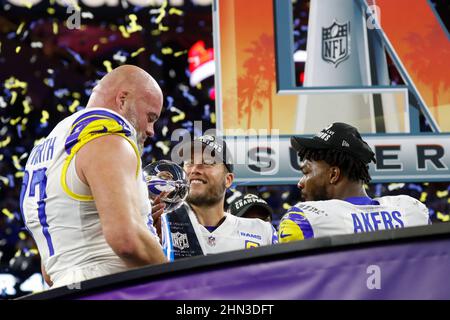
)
(258, 226)
(295, 225)
(402, 201)
(94, 123)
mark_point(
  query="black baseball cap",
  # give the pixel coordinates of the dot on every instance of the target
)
(243, 203)
(339, 136)
(217, 148)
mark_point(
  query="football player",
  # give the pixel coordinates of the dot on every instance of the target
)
(209, 228)
(83, 197)
(335, 167)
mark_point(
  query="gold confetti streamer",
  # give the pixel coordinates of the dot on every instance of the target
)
(74, 106)
(138, 51)
(443, 217)
(20, 28)
(5, 142)
(423, 197)
(107, 65)
(45, 116)
(26, 106)
(55, 28)
(7, 213)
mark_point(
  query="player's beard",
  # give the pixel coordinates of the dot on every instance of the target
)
(317, 194)
(213, 195)
(132, 117)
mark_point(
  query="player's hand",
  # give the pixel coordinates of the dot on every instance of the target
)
(157, 210)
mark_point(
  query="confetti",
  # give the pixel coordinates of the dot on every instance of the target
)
(176, 11)
(179, 53)
(20, 28)
(5, 142)
(138, 51)
(443, 217)
(395, 186)
(16, 162)
(442, 194)
(166, 50)
(423, 197)
(55, 28)
(165, 149)
(8, 213)
(45, 117)
(107, 65)
(3, 104)
(74, 105)
(156, 60)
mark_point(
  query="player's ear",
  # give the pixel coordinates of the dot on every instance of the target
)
(229, 177)
(121, 98)
(334, 174)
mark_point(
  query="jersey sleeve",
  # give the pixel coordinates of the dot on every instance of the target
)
(94, 124)
(294, 226)
(87, 127)
(274, 235)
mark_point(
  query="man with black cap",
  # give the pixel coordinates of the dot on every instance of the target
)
(202, 226)
(251, 206)
(335, 166)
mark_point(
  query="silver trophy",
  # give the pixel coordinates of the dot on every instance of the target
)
(167, 179)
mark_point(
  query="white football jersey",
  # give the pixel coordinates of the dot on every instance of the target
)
(234, 233)
(313, 219)
(58, 208)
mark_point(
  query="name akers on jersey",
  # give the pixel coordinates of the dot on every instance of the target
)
(371, 221)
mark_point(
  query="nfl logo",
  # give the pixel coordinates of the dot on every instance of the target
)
(180, 240)
(211, 241)
(336, 43)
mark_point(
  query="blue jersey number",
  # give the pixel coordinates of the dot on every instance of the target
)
(38, 178)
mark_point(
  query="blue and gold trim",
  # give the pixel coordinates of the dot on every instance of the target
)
(87, 127)
(294, 226)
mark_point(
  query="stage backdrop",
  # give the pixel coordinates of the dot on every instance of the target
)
(292, 67)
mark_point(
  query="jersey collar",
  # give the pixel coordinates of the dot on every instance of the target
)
(362, 201)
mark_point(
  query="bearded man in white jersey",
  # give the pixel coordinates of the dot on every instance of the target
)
(201, 225)
(335, 166)
(83, 196)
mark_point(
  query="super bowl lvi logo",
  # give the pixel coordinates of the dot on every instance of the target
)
(336, 43)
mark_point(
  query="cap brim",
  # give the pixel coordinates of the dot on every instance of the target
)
(299, 143)
(266, 208)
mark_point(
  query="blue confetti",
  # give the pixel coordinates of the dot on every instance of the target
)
(206, 112)
(75, 55)
(189, 96)
(148, 149)
(50, 82)
(11, 180)
(169, 102)
(61, 92)
(412, 186)
(156, 60)
(19, 130)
